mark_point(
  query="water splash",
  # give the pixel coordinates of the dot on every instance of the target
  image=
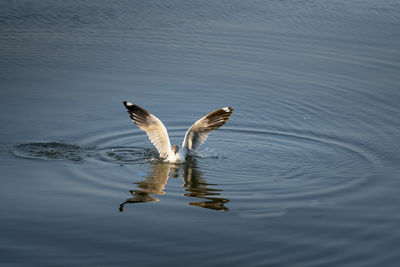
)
(210, 153)
(51, 151)
(77, 154)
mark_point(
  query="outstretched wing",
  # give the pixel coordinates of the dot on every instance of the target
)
(153, 127)
(198, 133)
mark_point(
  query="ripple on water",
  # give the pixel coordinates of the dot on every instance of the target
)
(264, 172)
(278, 170)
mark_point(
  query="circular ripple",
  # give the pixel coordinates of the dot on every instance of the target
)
(266, 172)
(263, 172)
(282, 164)
(277, 170)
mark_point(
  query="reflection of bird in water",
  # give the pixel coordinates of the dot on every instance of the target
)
(194, 184)
(155, 183)
(197, 187)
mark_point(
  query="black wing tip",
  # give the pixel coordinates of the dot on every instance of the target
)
(127, 104)
(135, 110)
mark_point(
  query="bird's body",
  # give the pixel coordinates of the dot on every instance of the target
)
(194, 137)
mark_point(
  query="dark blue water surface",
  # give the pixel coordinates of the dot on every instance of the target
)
(305, 173)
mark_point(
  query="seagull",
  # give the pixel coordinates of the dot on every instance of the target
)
(194, 137)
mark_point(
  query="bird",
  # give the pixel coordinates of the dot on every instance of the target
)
(195, 136)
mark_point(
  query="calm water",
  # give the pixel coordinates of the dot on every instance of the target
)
(305, 173)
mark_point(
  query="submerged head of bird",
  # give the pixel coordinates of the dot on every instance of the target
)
(175, 148)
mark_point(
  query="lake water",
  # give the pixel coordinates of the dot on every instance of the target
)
(305, 173)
